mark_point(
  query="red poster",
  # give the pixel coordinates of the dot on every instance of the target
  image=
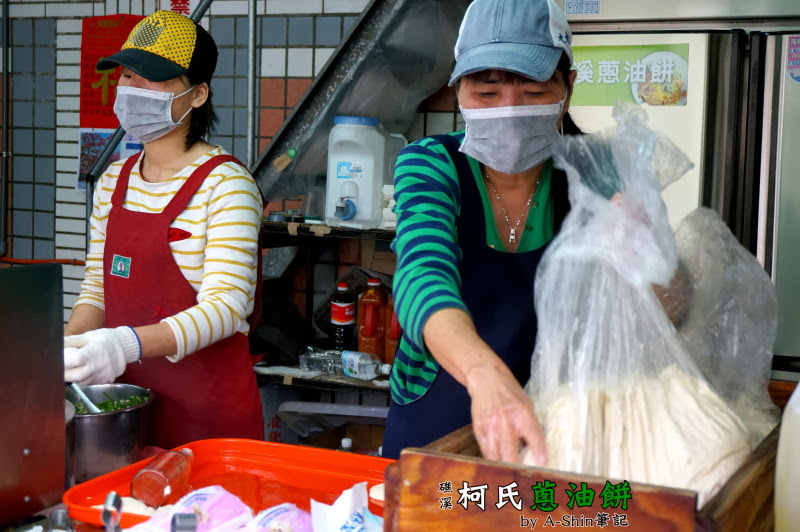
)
(101, 37)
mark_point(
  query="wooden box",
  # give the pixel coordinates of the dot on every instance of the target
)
(417, 492)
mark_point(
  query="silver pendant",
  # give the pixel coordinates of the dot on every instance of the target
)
(512, 236)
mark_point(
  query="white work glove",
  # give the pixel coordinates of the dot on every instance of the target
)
(99, 356)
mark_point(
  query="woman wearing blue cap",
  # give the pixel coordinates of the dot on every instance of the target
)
(172, 266)
(476, 210)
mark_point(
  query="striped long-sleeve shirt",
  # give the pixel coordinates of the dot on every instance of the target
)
(427, 277)
(219, 259)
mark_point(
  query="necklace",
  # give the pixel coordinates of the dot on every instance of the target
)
(512, 230)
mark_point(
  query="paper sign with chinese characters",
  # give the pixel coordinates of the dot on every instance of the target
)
(644, 74)
(101, 37)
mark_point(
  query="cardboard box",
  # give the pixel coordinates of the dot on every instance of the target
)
(366, 438)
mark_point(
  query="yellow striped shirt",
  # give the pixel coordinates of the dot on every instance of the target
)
(219, 260)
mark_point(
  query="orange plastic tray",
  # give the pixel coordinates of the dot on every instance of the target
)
(262, 474)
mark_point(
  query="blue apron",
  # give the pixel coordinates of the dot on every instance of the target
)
(497, 288)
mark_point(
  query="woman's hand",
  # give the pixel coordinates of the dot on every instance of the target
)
(503, 416)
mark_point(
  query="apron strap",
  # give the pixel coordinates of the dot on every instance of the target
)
(118, 197)
(179, 202)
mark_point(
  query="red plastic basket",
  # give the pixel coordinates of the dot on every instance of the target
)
(260, 473)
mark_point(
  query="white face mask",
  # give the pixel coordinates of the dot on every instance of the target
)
(146, 114)
(511, 139)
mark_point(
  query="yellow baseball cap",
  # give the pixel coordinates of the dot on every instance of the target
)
(166, 45)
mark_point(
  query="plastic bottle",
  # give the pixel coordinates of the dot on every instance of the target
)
(363, 366)
(371, 320)
(393, 332)
(164, 480)
(787, 467)
(343, 318)
(346, 445)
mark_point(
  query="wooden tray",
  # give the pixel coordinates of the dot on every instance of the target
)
(415, 494)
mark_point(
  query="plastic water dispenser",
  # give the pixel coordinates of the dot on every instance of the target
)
(361, 157)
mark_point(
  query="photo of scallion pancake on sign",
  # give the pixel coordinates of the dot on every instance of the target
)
(669, 85)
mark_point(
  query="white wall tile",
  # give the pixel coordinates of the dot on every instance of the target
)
(73, 272)
(68, 41)
(64, 225)
(67, 103)
(70, 254)
(67, 180)
(345, 6)
(68, 72)
(70, 210)
(70, 195)
(25, 10)
(67, 119)
(68, 149)
(64, 240)
(69, 25)
(228, 7)
(67, 134)
(68, 57)
(69, 9)
(299, 63)
(68, 88)
(321, 56)
(273, 62)
(71, 286)
(68, 165)
(280, 7)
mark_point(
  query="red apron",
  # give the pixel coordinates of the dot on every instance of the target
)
(211, 393)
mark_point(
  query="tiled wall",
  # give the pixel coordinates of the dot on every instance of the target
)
(32, 106)
(295, 38)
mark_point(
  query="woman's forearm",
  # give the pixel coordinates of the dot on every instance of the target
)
(451, 338)
(85, 318)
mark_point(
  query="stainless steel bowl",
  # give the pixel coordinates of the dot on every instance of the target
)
(108, 441)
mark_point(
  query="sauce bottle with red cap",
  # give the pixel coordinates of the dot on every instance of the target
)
(371, 318)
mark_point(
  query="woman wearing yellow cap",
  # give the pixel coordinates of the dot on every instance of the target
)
(172, 266)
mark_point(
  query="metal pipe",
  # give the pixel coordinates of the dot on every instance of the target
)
(101, 162)
(6, 162)
(251, 83)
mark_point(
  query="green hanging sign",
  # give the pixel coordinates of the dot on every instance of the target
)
(645, 74)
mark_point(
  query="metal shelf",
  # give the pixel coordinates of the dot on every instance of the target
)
(277, 234)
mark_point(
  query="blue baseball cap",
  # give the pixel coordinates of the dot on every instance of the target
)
(522, 36)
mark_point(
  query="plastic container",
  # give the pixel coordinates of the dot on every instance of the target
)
(343, 318)
(787, 467)
(361, 158)
(164, 480)
(363, 366)
(262, 474)
(372, 319)
(392, 333)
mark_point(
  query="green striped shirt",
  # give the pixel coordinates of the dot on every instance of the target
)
(427, 277)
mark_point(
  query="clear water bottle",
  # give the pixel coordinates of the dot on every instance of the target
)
(363, 366)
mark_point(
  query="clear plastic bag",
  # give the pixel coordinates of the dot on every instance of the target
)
(731, 323)
(616, 391)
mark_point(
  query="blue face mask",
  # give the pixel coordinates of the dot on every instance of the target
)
(511, 139)
(146, 114)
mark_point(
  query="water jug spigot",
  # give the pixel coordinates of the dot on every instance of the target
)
(345, 204)
(345, 209)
